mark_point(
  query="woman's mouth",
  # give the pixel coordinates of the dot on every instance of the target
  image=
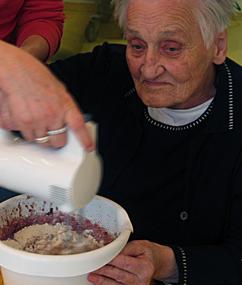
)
(151, 83)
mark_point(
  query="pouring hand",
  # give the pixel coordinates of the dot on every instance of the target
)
(33, 101)
(138, 264)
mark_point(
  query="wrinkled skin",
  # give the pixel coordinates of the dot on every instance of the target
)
(138, 264)
(33, 101)
(166, 54)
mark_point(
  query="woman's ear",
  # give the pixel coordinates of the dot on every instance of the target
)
(221, 47)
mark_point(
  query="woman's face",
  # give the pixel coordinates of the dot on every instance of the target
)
(166, 55)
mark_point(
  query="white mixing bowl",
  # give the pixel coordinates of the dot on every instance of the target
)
(23, 268)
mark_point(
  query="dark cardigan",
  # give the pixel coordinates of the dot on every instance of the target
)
(187, 192)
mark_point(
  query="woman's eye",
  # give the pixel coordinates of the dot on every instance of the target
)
(138, 47)
(172, 49)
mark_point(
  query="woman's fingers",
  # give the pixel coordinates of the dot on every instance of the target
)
(34, 102)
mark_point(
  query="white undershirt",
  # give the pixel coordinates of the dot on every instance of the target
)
(178, 117)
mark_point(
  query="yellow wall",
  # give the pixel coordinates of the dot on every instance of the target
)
(235, 39)
(76, 18)
(79, 14)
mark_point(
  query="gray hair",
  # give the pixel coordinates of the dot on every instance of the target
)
(213, 16)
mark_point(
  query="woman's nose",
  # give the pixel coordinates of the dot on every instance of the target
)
(152, 66)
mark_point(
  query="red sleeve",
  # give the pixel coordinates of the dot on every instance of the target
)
(44, 18)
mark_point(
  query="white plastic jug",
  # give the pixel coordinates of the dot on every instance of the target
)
(68, 176)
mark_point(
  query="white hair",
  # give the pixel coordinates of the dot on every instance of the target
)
(213, 16)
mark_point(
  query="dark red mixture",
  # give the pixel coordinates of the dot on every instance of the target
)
(76, 222)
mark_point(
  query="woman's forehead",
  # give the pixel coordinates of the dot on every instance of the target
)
(152, 11)
(164, 4)
(159, 18)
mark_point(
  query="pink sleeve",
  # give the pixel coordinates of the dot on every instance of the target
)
(44, 18)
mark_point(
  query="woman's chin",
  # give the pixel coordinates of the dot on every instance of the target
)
(156, 101)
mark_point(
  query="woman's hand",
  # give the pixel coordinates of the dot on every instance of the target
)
(138, 264)
(34, 102)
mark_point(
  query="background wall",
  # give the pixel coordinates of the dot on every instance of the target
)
(79, 1)
(235, 38)
(79, 12)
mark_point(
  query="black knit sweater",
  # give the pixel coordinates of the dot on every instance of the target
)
(181, 187)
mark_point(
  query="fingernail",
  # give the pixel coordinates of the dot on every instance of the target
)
(91, 278)
(90, 148)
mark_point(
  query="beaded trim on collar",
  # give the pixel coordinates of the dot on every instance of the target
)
(204, 115)
(231, 97)
(178, 128)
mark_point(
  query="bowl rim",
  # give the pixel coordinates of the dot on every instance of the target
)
(21, 261)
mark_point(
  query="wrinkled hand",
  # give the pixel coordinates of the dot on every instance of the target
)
(138, 264)
(33, 101)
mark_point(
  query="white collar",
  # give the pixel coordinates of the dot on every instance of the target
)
(178, 117)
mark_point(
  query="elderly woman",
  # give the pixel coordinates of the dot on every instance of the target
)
(170, 135)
